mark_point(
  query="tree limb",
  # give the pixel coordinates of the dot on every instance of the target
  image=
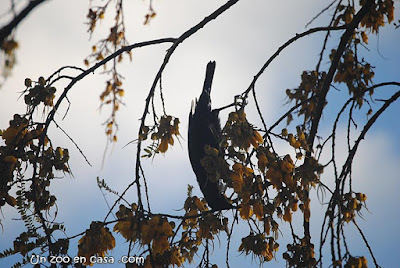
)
(6, 30)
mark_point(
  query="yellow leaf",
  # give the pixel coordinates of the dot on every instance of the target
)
(245, 195)
(258, 210)
(176, 257)
(256, 139)
(11, 200)
(166, 228)
(199, 204)
(10, 159)
(296, 145)
(262, 161)
(28, 82)
(237, 182)
(9, 134)
(161, 245)
(126, 230)
(291, 139)
(364, 37)
(42, 81)
(146, 233)
(267, 227)
(163, 147)
(59, 153)
(246, 212)
(288, 215)
(287, 167)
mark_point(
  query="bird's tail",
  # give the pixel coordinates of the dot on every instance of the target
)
(205, 100)
(209, 77)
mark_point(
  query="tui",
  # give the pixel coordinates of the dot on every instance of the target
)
(205, 129)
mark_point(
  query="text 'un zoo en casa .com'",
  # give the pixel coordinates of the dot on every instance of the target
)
(38, 259)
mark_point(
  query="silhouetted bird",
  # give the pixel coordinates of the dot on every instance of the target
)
(205, 128)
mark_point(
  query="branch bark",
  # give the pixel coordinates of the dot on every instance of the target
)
(321, 97)
(6, 30)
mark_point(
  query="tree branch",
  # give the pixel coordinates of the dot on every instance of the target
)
(335, 61)
(285, 45)
(326, 86)
(6, 30)
(352, 153)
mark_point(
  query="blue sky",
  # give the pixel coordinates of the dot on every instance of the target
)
(240, 41)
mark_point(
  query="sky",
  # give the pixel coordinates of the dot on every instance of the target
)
(240, 41)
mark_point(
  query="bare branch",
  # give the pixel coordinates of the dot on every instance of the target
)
(320, 13)
(6, 30)
(366, 243)
(72, 140)
(326, 86)
(371, 121)
(285, 45)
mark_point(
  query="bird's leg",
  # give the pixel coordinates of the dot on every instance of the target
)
(238, 101)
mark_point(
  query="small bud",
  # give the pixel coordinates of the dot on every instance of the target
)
(42, 81)
(28, 82)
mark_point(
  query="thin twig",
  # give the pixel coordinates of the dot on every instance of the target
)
(366, 242)
(6, 30)
(72, 140)
(326, 86)
(281, 48)
(320, 13)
